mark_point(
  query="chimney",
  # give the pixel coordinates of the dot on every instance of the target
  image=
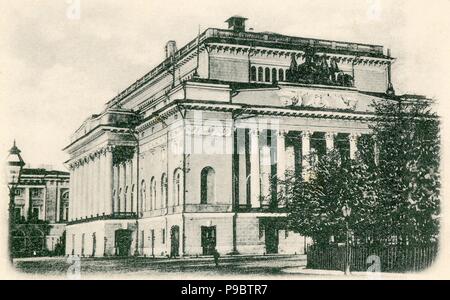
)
(236, 23)
(171, 48)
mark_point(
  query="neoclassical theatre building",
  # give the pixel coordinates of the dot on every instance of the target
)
(191, 156)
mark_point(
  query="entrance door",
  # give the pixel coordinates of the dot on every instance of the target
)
(174, 241)
(208, 239)
(271, 239)
(123, 242)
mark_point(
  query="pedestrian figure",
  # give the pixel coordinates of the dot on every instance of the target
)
(216, 256)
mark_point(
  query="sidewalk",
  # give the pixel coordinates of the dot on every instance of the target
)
(333, 274)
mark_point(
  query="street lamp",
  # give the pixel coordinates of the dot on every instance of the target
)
(346, 211)
(14, 165)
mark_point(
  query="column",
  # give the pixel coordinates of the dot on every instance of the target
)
(265, 169)
(85, 188)
(108, 181)
(255, 186)
(89, 210)
(306, 135)
(79, 191)
(95, 186)
(101, 183)
(329, 140)
(353, 139)
(71, 191)
(76, 191)
(281, 159)
(242, 165)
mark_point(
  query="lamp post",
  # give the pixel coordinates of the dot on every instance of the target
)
(14, 165)
(346, 211)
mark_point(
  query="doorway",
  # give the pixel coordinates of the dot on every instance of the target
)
(174, 241)
(208, 239)
(123, 242)
(271, 233)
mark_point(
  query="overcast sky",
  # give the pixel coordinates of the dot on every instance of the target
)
(59, 65)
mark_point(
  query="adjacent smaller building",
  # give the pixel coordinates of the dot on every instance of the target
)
(40, 211)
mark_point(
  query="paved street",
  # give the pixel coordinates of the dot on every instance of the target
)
(237, 266)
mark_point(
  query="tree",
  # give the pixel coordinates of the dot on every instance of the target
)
(392, 187)
(408, 142)
(315, 205)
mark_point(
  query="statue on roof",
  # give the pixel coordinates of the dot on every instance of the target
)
(317, 69)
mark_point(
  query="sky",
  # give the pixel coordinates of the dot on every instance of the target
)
(62, 60)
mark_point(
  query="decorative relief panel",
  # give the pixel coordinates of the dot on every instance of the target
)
(318, 99)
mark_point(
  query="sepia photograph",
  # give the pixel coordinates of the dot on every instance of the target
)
(288, 140)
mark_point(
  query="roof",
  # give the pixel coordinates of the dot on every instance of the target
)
(236, 17)
(254, 39)
(44, 172)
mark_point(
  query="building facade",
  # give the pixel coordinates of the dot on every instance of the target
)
(41, 210)
(192, 156)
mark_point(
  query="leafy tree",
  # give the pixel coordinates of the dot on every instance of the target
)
(408, 143)
(392, 187)
(315, 206)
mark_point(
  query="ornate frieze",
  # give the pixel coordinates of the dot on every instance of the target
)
(318, 99)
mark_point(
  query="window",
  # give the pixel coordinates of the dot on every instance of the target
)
(125, 199)
(274, 75)
(18, 192)
(143, 196)
(17, 213)
(280, 75)
(163, 234)
(164, 196)
(177, 187)
(260, 74)
(153, 193)
(35, 213)
(132, 198)
(207, 185)
(82, 244)
(66, 214)
(119, 196)
(267, 75)
(253, 73)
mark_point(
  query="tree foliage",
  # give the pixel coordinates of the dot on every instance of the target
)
(392, 187)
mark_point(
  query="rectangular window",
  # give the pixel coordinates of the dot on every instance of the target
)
(163, 236)
(17, 214)
(36, 211)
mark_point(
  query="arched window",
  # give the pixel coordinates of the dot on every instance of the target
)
(260, 74)
(164, 196)
(267, 75)
(132, 198)
(177, 187)
(119, 196)
(125, 208)
(274, 75)
(143, 196)
(280, 75)
(253, 73)
(153, 193)
(207, 185)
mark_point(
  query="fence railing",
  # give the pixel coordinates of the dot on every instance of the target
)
(391, 258)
